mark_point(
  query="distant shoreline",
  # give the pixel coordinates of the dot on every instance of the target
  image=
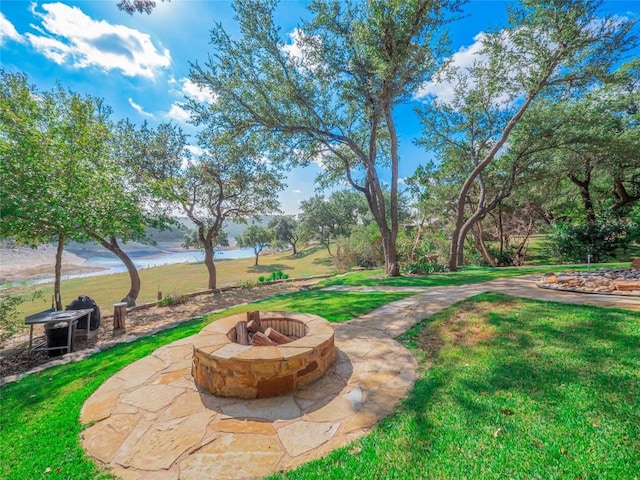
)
(20, 265)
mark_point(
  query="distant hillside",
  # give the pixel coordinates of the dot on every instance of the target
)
(233, 229)
(166, 239)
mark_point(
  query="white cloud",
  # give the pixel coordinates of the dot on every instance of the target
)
(67, 35)
(139, 109)
(294, 49)
(197, 92)
(8, 31)
(185, 88)
(195, 150)
(178, 114)
(296, 191)
(463, 59)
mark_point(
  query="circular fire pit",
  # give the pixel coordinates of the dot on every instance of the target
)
(228, 369)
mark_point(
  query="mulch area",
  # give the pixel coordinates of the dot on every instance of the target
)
(141, 320)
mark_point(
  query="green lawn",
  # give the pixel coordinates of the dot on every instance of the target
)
(464, 276)
(39, 415)
(509, 388)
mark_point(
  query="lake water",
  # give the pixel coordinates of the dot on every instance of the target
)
(143, 260)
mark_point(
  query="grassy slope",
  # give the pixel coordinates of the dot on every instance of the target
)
(509, 389)
(182, 278)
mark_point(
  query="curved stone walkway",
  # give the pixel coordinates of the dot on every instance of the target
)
(149, 421)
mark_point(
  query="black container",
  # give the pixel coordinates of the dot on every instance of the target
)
(82, 302)
(57, 335)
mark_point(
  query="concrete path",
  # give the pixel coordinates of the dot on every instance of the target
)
(149, 421)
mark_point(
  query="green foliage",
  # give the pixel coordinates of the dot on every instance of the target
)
(326, 219)
(277, 275)
(600, 240)
(335, 101)
(10, 321)
(173, 299)
(256, 237)
(363, 248)
(191, 239)
(425, 266)
(285, 231)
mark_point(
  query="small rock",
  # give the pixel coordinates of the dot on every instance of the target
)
(567, 279)
(549, 278)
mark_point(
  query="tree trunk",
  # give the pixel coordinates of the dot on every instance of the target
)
(416, 241)
(58, 272)
(483, 246)
(134, 277)
(256, 264)
(478, 169)
(390, 253)
(209, 263)
(501, 232)
(392, 267)
(293, 245)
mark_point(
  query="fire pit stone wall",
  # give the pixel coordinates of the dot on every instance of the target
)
(228, 369)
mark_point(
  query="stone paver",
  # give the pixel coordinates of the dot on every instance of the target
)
(149, 421)
(164, 425)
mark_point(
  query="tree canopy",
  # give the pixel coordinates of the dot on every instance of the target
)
(334, 100)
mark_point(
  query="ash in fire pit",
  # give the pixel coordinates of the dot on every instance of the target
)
(262, 354)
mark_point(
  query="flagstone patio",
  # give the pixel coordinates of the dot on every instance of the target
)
(149, 421)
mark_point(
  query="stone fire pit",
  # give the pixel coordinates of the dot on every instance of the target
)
(228, 369)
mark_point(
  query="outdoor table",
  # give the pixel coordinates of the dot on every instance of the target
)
(70, 317)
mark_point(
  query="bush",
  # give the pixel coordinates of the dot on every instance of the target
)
(10, 322)
(277, 275)
(601, 239)
(363, 248)
(424, 266)
(174, 299)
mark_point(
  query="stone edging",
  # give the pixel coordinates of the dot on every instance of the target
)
(555, 286)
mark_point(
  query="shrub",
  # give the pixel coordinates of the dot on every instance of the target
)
(10, 321)
(261, 278)
(424, 267)
(174, 299)
(362, 248)
(600, 239)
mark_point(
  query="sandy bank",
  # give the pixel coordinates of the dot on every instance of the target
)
(24, 263)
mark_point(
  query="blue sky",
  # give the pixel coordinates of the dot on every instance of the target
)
(140, 64)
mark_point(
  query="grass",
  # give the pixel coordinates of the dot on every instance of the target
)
(509, 388)
(39, 415)
(464, 276)
(178, 279)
